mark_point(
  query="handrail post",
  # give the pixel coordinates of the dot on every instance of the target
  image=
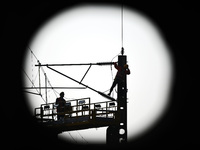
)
(41, 113)
(106, 109)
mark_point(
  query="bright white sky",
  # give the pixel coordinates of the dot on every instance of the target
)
(90, 34)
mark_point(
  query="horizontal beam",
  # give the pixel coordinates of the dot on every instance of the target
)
(100, 63)
(102, 94)
(54, 87)
(80, 123)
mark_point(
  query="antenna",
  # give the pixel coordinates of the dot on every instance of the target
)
(122, 28)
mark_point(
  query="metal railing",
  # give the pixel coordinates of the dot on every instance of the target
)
(77, 108)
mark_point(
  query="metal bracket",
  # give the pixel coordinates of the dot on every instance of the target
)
(86, 72)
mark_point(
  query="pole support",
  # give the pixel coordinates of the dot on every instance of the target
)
(117, 134)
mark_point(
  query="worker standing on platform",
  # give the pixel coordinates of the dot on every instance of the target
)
(60, 102)
(119, 76)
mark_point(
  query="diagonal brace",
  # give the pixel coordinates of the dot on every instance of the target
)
(102, 94)
(86, 73)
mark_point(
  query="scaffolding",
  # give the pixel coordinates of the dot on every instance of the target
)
(82, 114)
(78, 114)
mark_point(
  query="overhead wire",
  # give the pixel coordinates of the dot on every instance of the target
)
(56, 93)
(112, 71)
(33, 54)
(122, 24)
(32, 85)
(122, 40)
(75, 140)
(72, 137)
(82, 137)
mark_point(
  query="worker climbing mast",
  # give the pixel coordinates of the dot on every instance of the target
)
(118, 133)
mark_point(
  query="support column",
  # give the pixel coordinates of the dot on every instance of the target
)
(118, 134)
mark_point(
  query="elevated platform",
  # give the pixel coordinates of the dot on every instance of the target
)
(79, 114)
(80, 123)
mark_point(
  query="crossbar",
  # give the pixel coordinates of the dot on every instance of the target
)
(100, 63)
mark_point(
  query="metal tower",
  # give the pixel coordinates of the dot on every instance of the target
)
(117, 134)
(82, 114)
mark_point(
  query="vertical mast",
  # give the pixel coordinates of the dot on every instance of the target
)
(117, 134)
(39, 78)
(122, 103)
(46, 86)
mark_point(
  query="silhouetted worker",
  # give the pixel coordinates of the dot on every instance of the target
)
(61, 105)
(119, 76)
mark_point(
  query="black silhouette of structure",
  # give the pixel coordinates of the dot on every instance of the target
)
(118, 132)
(82, 114)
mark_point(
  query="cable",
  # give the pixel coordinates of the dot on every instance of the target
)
(72, 137)
(122, 24)
(52, 87)
(82, 137)
(112, 71)
(48, 81)
(32, 85)
(32, 54)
